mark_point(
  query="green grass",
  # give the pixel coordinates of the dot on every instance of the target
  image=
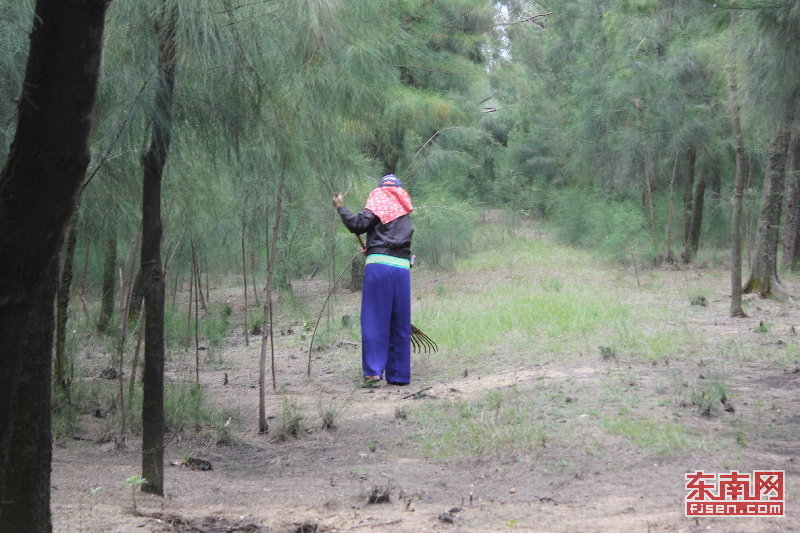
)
(521, 303)
(292, 420)
(658, 437)
(502, 425)
(533, 303)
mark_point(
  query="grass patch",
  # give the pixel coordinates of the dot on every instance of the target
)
(520, 303)
(506, 425)
(659, 437)
(292, 420)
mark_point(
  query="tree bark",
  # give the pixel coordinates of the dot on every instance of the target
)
(263, 427)
(244, 278)
(764, 274)
(109, 282)
(669, 256)
(42, 177)
(791, 228)
(688, 187)
(357, 274)
(28, 476)
(153, 162)
(137, 297)
(696, 220)
(125, 287)
(738, 187)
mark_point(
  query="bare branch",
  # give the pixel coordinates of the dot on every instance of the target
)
(528, 18)
(432, 138)
(243, 6)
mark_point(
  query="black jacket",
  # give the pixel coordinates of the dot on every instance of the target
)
(393, 238)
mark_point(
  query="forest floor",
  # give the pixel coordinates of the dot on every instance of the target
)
(603, 465)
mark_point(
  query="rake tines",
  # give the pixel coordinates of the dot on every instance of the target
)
(422, 342)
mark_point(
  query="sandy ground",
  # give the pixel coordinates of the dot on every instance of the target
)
(323, 481)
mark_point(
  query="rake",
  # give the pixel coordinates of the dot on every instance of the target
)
(420, 341)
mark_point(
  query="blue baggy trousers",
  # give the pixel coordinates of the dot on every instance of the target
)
(386, 322)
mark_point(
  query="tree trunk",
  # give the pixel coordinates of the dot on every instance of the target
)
(199, 292)
(253, 270)
(40, 181)
(125, 287)
(696, 221)
(738, 187)
(198, 280)
(27, 507)
(135, 363)
(85, 275)
(715, 182)
(669, 256)
(357, 274)
(109, 281)
(688, 186)
(648, 181)
(244, 278)
(153, 163)
(764, 274)
(791, 229)
(137, 297)
(62, 305)
(191, 295)
(268, 324)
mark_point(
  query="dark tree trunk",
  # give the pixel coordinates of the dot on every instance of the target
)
(42, 177)
(688, 183)
(764, 274)
(668, 255)
(791, 228)
(104, 321)
(62, 305)
(137, 297)
(357, 274)
(153, 162)
(27, 506)
(696, 221)
(715, 181)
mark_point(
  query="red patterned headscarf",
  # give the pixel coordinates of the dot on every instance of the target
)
(389, 201)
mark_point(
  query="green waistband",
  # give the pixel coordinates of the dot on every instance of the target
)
(388, 260)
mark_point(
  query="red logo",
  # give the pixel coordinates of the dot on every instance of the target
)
(735, 494)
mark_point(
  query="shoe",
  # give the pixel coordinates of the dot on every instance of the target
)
(370, 381)
(397, 383)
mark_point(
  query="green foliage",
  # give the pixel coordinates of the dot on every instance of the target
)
(707, 392)
(186, 408)
(86, 398)
(292, 419)
(616, 230)
(443, 232)
(501, 425)
(331, 412)
(134, 482)
(657, 437)
(215, 326)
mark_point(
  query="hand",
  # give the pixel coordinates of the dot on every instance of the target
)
(338, 200)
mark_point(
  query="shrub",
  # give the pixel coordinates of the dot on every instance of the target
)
(614, 229)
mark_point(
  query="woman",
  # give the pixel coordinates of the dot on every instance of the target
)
(386, 294)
